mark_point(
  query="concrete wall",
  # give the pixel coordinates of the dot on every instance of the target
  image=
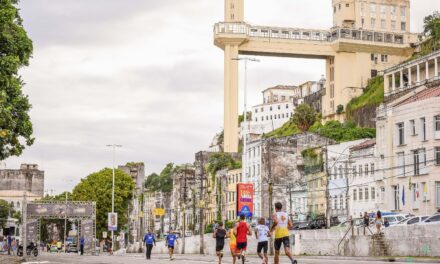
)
(28, 178)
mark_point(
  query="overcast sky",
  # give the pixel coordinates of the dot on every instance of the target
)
(144, 74)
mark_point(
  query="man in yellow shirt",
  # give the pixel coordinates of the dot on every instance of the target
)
(281, 226)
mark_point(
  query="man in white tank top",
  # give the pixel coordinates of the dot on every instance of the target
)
(281, 226)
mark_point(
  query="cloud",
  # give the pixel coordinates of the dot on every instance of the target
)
(144, 74)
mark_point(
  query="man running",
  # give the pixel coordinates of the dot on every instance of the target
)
(241, 231)
(171, 238)
(149, 241)
(262, 234)
(281, 226)
(219, 235)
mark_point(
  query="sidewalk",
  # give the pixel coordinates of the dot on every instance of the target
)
(373, 259)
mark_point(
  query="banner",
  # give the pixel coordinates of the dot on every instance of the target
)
(87, 227)
(61, 210)
(32, 231)
(112, 221)
(245, 199)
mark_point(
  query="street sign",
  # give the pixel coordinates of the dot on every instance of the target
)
(159, 211)
(112, 221)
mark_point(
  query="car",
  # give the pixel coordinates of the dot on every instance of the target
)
(297, 225)
(72, 247)
(412, 220)
(304, 226)
(432, 219)
(53, 248)
(393, 219)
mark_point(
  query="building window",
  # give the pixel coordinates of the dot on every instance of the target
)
(396, 192)
(373, 193)
(366, 170)
(334, 9)
(437, 155)
(283, 98)
(373, 23)
(262, 109)
(287, 106)
(400, 170)
(372, 168)
(401, 133)
(270, 108)
(373, 8)
(437, 188)
(341, 172)
(419, 159)
(384, 58)
(383, 24)
(366, 194)
(342, 202)
(361, 194)
(373, 57)
(354, 171)
(393, 25)
(423, 127)
(393, 11)
(354, 195)
(279, 107)
(383, 9)
(403, 26)
(347, 5)
(360, 171)
(412, 124)
(402, 11)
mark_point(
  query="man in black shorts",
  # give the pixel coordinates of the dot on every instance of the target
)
(219, 235)
(262, 234)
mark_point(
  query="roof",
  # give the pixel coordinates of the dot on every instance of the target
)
(422, 95)
(281, 87)
(16, 193)
(366, 144)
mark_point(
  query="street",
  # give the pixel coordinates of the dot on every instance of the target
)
(189, 259)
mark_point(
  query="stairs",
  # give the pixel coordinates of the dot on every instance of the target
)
(379, 247)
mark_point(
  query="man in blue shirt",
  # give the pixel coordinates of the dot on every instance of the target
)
(82, 242)
(171, 239)
(149, 241)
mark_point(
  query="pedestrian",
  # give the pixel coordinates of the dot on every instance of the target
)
(9, 240)
(241, 231)
(149, 240)
(378, 221)
(170, 241)
(220, 235)
(233, 245)
(366, 219)
(81, 245)
(14, 246)
(281, 226)
(262, 234)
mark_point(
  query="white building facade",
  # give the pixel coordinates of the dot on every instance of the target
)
(253, 172)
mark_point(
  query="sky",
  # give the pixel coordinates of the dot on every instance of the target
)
(144, 74)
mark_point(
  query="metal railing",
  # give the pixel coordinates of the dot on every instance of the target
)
(308, 34)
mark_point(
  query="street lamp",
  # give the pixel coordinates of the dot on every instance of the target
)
(246, 60)
(114, 146)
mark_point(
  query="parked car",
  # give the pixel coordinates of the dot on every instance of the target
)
(393, 219)
(297, 225)
(432, 219)
(318, 223)
(53, 248)
(72, 247)
(304, 226)
(412, 220)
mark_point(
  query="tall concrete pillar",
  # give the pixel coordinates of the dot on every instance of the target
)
(427, 70)
(231, 99)
(409, 76)
(418, 73)
(386, 83)
(435, 67)
(401, 79)
(393, 81)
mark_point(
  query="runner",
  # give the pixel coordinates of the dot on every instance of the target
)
(241, 231)
(171, 238)
(149, 242)
(262, 234)
(281, 226)
(233, 245)
(219, 235)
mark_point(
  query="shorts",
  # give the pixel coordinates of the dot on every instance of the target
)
(233, 248)
(241, 245)
(171, 247)
(219, 247)
(262, 246)
(279, 241)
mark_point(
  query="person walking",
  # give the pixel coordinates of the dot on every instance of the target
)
(9, 241)
(366, 222)
(378, 221)
(241, 231)
(220, 235)
(170, 241)
(233, 245)
(262, 235)
(82, 241)
(281, 225)
(149, 240)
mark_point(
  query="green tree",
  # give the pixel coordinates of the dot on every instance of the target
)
(15, 51)
(162, 182)
(432, 28)
(6, 210)
(98, 187)
(304, 117)
(219, 161)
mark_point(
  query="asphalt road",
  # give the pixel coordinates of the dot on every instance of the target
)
(56, 258)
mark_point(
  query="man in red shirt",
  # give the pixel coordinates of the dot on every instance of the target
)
(241, 231)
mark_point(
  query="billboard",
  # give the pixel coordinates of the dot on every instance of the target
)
(112, 221)
(61, 210)
(87, 231)
(245, 199)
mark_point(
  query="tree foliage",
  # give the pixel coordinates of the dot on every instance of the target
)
(304, 117)
(98, 187)
(432, 28)
(162, 182)
(6, 210)
(15, 51)
(220, 161)
(342, 132)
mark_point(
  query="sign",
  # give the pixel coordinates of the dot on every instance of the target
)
(245, 199)
(104, 234)
(87, 228)
(84, 210)
(32, 230)
(112, 222)
(159, 211)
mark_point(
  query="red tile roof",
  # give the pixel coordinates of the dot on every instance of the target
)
(366, 144)
(423, 95)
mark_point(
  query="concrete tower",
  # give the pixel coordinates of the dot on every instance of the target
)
(367, 37)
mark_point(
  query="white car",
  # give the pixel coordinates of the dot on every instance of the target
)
(432, 219)
(412, 220)
(393, 219)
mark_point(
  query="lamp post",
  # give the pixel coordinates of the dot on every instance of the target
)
(246, 60)
(114, 146)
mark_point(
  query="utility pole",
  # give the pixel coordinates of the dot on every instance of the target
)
(327, 190)
(290, 185)
(184, 209)
(114, 146)
(267, 156)
(65, 222)
(24, 225)
(199, 156)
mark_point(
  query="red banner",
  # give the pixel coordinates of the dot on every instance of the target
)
(245, 199)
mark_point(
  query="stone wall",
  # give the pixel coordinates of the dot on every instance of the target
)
(27, 178)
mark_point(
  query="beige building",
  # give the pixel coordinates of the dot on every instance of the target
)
(233, 177)
(355, 49)
(408, 132)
